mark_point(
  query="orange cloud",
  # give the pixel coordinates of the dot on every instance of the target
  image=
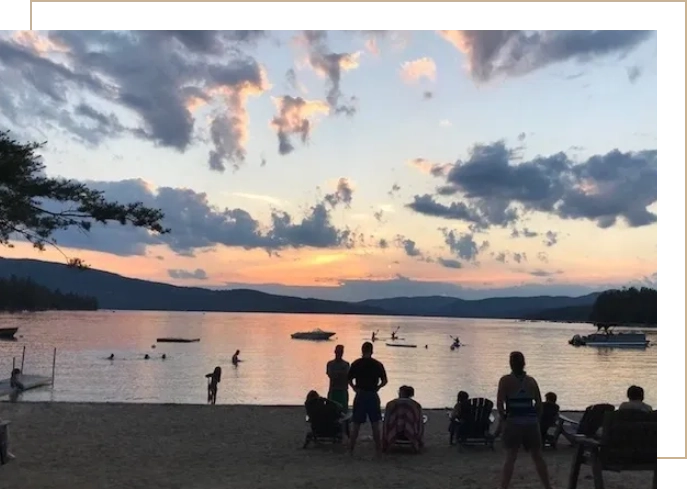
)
(413, 71)
(38, 43)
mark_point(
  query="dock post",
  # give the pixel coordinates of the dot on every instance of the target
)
(54, 356)
(23, 354)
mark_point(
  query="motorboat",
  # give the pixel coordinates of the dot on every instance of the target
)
(8, 333)
(401, 345)
(178, 340)
(610, 339)
(314, 335)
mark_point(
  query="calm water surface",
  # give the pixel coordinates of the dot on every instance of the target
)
(279, 370)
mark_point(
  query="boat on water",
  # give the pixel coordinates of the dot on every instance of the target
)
(401, 345)
(8, 333)
(178, 340)
(314, 335)
(609, 338)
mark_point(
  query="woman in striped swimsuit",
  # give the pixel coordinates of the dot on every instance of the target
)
(519, 404)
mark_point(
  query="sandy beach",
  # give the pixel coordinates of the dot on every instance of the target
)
(65, 445)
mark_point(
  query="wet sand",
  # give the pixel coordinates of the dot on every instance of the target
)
(73, 445)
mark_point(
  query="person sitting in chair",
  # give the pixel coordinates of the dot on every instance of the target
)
(549, 415)
(324, 415)
(403, 420)
(460, 412)
(635, 396)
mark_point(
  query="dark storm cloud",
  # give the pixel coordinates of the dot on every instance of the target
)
(196, 224)
(155, 74)
(197, 274)
(496, 188)
(515, 53)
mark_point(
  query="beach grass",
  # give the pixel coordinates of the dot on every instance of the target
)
(80, 445)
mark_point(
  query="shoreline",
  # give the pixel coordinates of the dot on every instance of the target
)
(113, 446)
(364, 314)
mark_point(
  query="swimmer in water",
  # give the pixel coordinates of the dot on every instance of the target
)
(111, 357)
(235, 359)
(146, 357)
(164, 355)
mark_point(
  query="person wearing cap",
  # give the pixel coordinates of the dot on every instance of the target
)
(337, 371)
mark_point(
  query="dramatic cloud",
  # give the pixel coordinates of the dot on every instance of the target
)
(158, 77)
(331, 65)
(196, 224)
(492, 54)
(197, 274)
(413, 71)
(294, 119)
(342, 195)
(496, 188)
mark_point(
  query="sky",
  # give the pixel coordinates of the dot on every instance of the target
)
(352, 164)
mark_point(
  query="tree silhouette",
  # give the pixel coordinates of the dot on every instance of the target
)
(27, 195)
(625, 306)
(23, 294)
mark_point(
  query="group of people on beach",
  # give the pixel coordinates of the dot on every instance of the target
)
(518, 403)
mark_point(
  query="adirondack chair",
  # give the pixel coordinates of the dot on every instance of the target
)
(628, 443)
(326, 422)
(589, 425)
(474, 429)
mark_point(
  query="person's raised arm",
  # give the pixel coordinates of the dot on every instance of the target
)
(501, 398)
(382, 376)
(329, 369)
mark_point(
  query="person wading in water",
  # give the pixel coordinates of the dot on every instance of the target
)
(213, 379)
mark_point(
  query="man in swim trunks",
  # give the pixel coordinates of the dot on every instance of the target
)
(366, 376)
(337, 371)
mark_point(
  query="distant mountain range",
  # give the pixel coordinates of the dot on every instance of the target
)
(117, 292)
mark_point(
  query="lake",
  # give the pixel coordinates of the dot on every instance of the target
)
(279, 370)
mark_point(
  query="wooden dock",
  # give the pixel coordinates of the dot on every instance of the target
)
(29, 381)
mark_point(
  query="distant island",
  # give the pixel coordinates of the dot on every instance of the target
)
(24, 294)
(111, 291)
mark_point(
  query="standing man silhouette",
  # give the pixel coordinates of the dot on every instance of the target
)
(366, 376)
(337, 371)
